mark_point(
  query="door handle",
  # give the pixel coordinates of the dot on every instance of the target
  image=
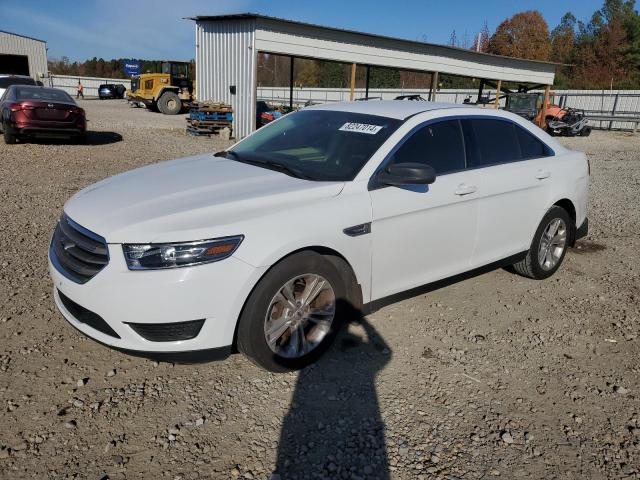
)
(542, 174)
(464, 189)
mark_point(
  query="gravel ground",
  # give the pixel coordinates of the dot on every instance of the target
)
(493, 376)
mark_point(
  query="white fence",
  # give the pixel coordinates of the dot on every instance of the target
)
(617, 103)
(69, 83)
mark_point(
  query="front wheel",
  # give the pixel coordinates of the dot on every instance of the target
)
(169, 103)
(549, 245)
(292, 315)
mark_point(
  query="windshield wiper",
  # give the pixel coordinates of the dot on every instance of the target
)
(281, 167)
(294, 172)
(227, 154)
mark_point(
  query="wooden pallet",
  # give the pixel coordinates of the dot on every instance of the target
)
(208, 130)
(211, 107)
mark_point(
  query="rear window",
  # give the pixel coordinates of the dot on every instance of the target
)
(6, 82)
(491, 142)
(530, 146)
(42, 94)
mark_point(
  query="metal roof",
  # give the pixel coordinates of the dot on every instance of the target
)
(249, 15)
(399, 109)
(23, 36)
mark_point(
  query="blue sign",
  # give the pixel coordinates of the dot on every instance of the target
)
(131, 67)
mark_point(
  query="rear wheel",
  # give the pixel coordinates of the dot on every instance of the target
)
(169, 103)
(549, 245)
(292, 315)
(9, 137)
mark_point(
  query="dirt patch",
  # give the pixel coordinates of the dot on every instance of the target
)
(494, 375)
(588, 246)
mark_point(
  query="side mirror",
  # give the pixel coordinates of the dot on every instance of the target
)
(407, 174)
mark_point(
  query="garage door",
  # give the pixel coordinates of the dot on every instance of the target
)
(14, 64)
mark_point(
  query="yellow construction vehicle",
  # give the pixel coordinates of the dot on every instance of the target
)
(168, 91)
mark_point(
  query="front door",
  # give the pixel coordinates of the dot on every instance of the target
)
(425, 233)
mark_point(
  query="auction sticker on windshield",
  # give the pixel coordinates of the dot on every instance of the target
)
(360, 128)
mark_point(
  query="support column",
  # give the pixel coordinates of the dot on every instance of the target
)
(496, 104)
(480, 90)
(434, 87)
(291, 82)
(366, 94)
(543, 112)
(353, 81)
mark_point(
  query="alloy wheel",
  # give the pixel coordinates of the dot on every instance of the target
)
(300, 316)
(552, 244)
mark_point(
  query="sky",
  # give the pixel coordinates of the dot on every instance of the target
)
(82, 29)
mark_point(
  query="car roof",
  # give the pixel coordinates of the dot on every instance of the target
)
(399, 109)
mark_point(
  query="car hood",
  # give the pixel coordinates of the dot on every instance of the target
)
(193, 198)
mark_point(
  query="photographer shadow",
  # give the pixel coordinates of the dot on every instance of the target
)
(334, 428)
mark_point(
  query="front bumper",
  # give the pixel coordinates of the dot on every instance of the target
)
(215, 292)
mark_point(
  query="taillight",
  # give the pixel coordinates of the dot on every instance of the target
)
(17, 107)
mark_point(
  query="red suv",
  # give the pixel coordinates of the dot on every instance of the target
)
(28, 111)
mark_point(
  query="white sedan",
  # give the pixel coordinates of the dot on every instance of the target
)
(331, 211)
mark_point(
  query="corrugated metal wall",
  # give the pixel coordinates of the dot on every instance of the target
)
(35, 50)
(69, 83)
(225, 56)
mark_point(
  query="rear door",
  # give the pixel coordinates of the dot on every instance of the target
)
(425, 233)
(516, 170)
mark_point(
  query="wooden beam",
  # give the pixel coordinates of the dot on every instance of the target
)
(543, 112)
(353, 81)
(496, 104)
(291, 83)
(366, 87)
(434, 87)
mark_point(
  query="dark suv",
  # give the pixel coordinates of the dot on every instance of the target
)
(111, 90)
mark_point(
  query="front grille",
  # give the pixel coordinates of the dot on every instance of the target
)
(86, 316)
(76, 252)
(168, 332)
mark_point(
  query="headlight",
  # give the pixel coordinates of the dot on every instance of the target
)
(153, 256)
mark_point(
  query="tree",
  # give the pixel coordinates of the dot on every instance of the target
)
(563, 39)
(453, 39)
(525, 35)
(481, 40)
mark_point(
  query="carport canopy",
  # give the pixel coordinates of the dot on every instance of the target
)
(227, 48)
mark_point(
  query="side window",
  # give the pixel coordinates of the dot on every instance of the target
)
(490, 142)
(530, 146)
(439, 145)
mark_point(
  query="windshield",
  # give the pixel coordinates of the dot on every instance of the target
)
(175, 69)
(44, 94)
(320, 144)
(519, 103)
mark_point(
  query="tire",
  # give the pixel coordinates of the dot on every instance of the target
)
(585, 132)
(9, 138)
(169, 103)
(318, 335)
(538, 266)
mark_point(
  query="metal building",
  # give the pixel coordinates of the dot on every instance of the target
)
(21, 55)
(227, 47)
